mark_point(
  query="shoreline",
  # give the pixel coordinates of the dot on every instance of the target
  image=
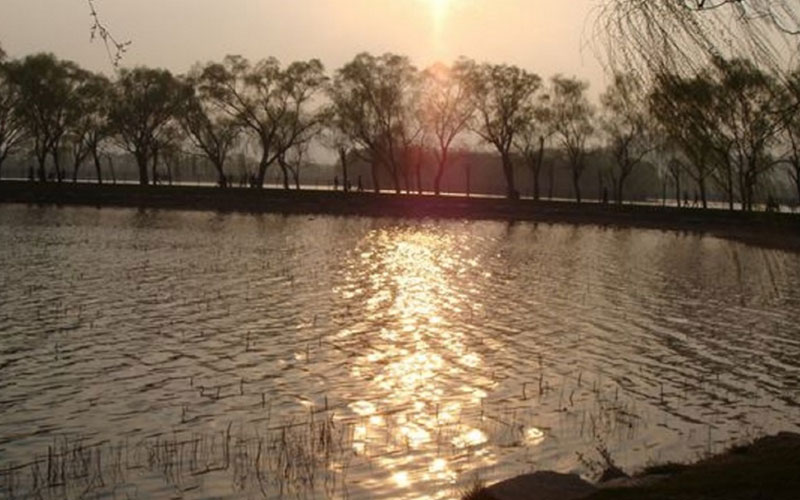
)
(765, 468)
(771, 230)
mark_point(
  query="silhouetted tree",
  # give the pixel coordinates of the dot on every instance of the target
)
(48, 96)
(87, 125)
(446, 110)
(145, 102)
(373, 99)
(626, 123)
(572, 123)
(671, 35)
(272, 104)
(211, 131)
(530, 142)
(685, 109)
(502, 97)
(749, 108)
(12, 130)
(791, 132)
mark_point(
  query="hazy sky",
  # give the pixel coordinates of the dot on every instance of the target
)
(545, 36)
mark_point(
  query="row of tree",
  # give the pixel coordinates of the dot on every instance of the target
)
(725, 127)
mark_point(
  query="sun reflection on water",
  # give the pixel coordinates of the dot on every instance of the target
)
(417, 361)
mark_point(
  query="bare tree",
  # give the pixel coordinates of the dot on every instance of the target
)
(446, 110)
(572, 123)
(502, 97)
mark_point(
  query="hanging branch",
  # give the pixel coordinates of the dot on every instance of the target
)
(115, 49)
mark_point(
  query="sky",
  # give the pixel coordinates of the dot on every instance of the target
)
(543, 36)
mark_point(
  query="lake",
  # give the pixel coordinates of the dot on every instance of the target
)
(200, 355)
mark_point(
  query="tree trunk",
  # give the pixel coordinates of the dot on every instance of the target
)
(508, 171)
(418, 171)
(155, 168)
(576, 183)
(551, 180)
(437, 181)
(285, 173)
(222, 180)
(262, 171)
(96, 160)
(701, 185)
(797, 181)
(141, 162)
(375, 181)
(621, 185)
(41, 167)
(57, 165)
(343, 160)
(536, 169)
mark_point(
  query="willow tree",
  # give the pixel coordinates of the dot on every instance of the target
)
(88, 123)
(12, 131)
(48, 94)
(446, 109)
(373, 100)
(751, 116)
(654, 36)
(274, 105)
(144, 106)
(503, 99)
(211, 132)
(791, 133)
(572, 115)
(686, 111)
(626, 122)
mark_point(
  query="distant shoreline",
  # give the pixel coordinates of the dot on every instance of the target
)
(771, 230)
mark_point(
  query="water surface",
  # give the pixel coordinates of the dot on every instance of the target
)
(200, 355)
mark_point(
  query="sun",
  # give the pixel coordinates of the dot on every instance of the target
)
(439, 9)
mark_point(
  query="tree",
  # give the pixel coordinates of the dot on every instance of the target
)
(672, 35)
(446, 110)
(502, 97)
(572, 123)
(373, 98)
(531, 141)
(751, 117)
(686, 111)
(48, 94)
(210, 130)
(12, 131)
(791, 132)
(336, 136)
(626, 123)
(144, 103)
(272, 104)
(87, 124)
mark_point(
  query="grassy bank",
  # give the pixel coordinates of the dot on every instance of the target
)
(766, 229)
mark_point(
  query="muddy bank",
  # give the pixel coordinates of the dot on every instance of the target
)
(769, 230)
(769, 468)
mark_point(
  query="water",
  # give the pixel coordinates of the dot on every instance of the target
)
(198, 355)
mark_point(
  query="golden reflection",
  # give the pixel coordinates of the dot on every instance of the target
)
(416, 360)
